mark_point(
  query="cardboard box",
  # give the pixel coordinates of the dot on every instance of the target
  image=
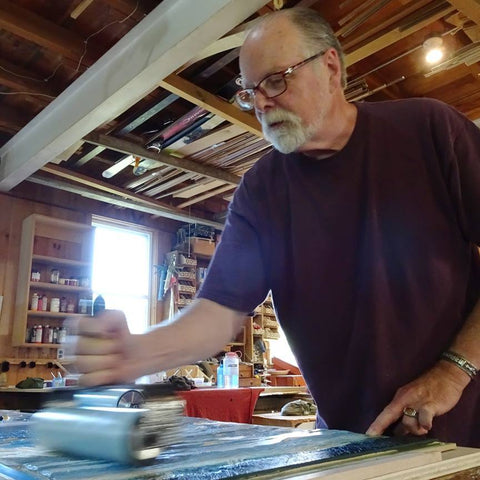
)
(202, 246)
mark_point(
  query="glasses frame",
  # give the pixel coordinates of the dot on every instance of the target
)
(284, 73)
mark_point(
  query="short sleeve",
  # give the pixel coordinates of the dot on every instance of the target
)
(236, 276)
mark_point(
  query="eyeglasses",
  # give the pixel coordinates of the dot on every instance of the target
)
(271, 86)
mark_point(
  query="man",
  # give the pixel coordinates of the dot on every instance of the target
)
(362, 223)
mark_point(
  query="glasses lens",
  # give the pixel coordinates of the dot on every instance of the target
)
(273, 85)
(245, 99)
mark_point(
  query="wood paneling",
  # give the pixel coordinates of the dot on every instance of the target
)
(62, 206)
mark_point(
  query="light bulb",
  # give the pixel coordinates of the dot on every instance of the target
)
(434, 55)
(434, 49)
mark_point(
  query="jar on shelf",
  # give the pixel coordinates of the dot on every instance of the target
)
(38, 334)
(44, 303)
(70, 306)
(55, 305)
(63, 304)
(35, 276)
(54, 275)
(34, 302)
(45, 334)
(62, 335)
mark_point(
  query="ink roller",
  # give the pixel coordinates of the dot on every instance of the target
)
(121, 424)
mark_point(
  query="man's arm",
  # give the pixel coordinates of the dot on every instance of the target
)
(436, 391)
(106, 353)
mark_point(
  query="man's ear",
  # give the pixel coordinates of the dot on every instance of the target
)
(333, 64)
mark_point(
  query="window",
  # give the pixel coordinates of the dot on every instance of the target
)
(281, 349)
(122, 270)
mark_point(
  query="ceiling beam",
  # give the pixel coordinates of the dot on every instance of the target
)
(200, 97)
(124, 146)
(392, 37)
(36, 29)
(126, 73)
(236, 38)
(470, 8)
(114, 195)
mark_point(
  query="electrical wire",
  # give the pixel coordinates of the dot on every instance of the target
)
(100, 31)
(46, 79)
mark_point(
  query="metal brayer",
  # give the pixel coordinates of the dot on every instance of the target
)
(125, 424)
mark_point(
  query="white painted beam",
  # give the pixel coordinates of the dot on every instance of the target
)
(168, 37)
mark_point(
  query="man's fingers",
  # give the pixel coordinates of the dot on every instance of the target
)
(389, 415)
(425, 420)
(97, 346)
(98, 363)
(107, 324)
(99, 377)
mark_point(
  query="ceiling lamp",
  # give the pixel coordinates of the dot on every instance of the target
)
(433, 49)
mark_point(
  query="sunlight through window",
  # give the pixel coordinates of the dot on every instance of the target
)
(122, 272)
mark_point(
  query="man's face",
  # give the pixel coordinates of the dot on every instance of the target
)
(292, 119)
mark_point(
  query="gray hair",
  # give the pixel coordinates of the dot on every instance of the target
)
(316, 32)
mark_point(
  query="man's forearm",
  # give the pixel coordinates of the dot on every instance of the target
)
(199, 332)
(467, 341)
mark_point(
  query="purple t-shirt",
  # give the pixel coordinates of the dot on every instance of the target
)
(370, 256)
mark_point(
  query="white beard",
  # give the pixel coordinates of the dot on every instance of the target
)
(290, 136)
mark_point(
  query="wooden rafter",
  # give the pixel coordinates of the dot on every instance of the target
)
(393, 36)
(83, 106)
(198, 96)
(470, 8)
(36, 29)
(104, 192)
(185, 164)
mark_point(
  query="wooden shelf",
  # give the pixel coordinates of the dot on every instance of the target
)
(50, 243)
(41, 313)
(66, 262)
(41, 345)
(59, 287)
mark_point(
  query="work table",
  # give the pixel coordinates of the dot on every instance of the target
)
(218, 450)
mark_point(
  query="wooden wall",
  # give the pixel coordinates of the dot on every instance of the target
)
(14, 207)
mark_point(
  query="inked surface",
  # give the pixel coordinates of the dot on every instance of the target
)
(209, 451)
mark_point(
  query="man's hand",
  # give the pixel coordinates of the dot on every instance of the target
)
(101, 347)
(430, 395)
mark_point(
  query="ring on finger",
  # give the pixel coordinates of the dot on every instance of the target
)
(410, 412)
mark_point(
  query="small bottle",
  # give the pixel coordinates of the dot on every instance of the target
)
(45, 333)
(44, 303)
(220, 382)
(231, 370)
(50, 335)
(38, 334)
(54, 276)
(55, 305)
(33, 332)
(55, 335)
(34, 302)
(62, 335)
(63, 304)
(70, 306)
(98, 305)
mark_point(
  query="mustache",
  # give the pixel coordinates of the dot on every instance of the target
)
(279, 115)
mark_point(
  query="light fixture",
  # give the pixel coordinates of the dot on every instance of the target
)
(433, 49)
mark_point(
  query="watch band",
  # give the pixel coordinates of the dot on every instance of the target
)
(460, 362)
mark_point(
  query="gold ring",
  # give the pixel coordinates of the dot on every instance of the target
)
(410, 412)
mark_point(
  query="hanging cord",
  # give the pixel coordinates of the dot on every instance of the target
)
(61, 63)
